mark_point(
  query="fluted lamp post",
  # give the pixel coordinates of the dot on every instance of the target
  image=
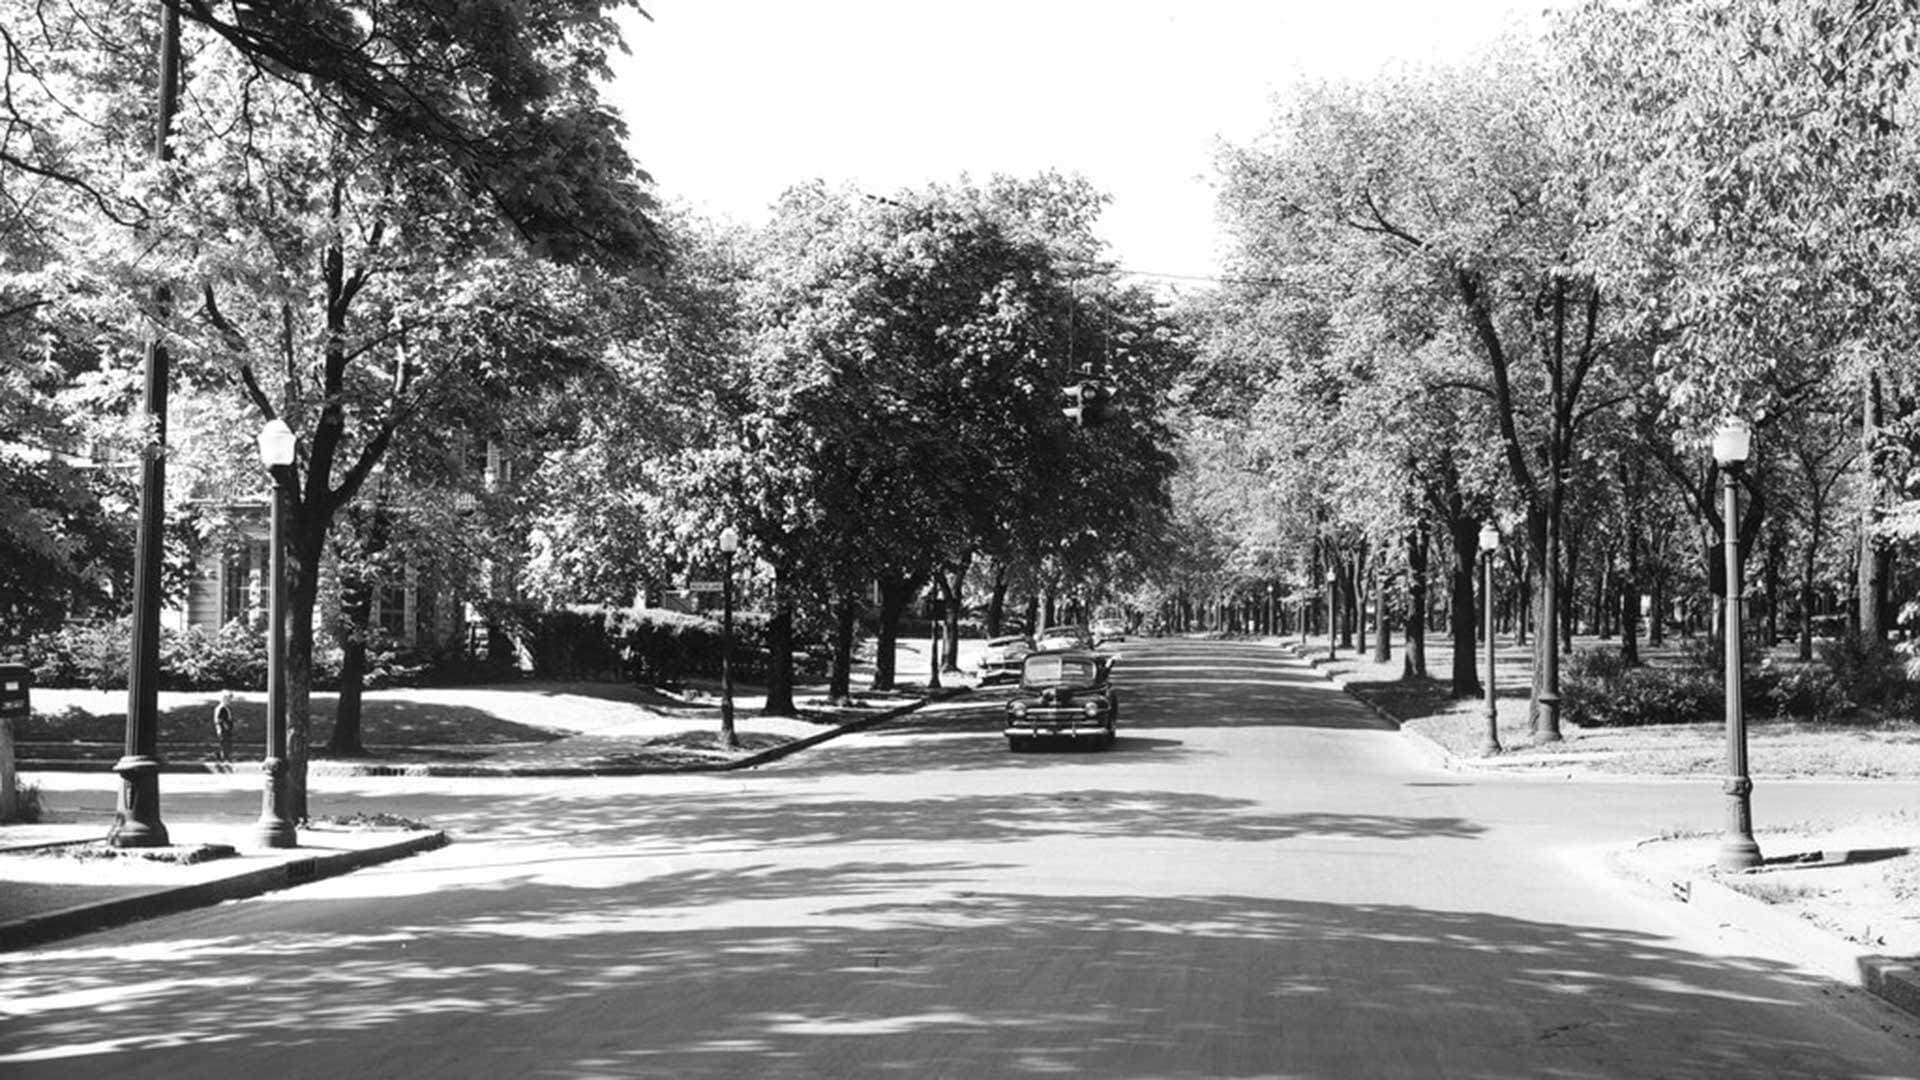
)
(1489, 543)
(275, 828)
(729, 544)
(1731, 445)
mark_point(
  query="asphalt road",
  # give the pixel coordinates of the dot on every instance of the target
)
(1260, 879)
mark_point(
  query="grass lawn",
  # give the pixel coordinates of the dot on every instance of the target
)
(1776, 748)
(439, 722)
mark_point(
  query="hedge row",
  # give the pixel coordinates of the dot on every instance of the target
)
(1851, 680)
(97, 656)
(647, 646)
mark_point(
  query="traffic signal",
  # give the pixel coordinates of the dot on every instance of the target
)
(1089, 404)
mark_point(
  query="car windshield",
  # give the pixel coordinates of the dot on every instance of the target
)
(1067, 670)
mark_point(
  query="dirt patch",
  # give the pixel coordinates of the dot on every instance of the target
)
(696, 748)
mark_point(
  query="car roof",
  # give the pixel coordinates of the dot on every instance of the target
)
(1006, 640)
(1063, 628)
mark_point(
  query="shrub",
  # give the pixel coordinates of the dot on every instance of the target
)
(233, 657)
(1599, 689)
(1647, 695)
(1802, 691)
(27, 809)
(92, 656)
(1597, 665)
(1869, 673)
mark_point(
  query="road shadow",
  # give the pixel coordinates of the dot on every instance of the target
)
(895, 968)
(964, 747)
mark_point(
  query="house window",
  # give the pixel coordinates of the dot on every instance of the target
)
(243, 593)
(393, 612)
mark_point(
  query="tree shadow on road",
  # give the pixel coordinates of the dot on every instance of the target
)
(873, 968)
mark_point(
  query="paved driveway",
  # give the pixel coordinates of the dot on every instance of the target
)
(1260, 879)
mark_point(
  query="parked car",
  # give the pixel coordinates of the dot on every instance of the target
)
(1002, 656)
(1063, 637)
(1108, 628)
(1064, 694)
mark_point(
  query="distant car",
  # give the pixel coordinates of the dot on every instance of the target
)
(1064, 694)
(1062, 637)
(1002, 656)
(1108, 628)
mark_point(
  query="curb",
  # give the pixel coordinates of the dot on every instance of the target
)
(452, 769)
(1426, 745)
(298, 870)
(1891, 979)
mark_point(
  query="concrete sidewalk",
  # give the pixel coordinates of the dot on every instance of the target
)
(58, 881)
(624, 747)
(1683, 870)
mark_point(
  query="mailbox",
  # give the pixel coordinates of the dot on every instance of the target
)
(13, 690)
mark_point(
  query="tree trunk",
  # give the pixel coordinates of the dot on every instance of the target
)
(1776, 551)
(1382, 640)
(1414, 663)
(1543, 529)
(952, 589)
(1657, 613)
(358, 589)
(1465, 532)
(997, 601)
(895, 594)
(1569, 610)
(303, 592)
(1604, 603)
(1353, 627)
(356, 618)
(840, 680)
(1875, 558)
(1808, 566)
(780, 655)
(1629, 588)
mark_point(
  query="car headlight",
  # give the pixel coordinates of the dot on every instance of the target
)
(1091, 708)
(1016, 708)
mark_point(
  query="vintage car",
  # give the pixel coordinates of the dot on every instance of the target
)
(1002, 656)
(1064, 694)
(1062, 637)
(1108, 628)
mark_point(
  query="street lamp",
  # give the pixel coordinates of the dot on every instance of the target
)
(136, 820)
(1738, 851)
(275, 828)
(1490, 543)
(1332, 642)
(729, 543)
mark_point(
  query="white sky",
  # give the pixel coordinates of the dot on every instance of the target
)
(729, 102)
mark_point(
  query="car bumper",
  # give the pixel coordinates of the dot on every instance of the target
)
(1075, 725)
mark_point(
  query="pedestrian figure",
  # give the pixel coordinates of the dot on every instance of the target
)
(223, 726)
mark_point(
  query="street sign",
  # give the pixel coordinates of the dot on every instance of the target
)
(704, 586)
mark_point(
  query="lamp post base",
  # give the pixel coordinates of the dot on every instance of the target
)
(1738, 853)
(1546, 722)
(275, 829)
(136, 823)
